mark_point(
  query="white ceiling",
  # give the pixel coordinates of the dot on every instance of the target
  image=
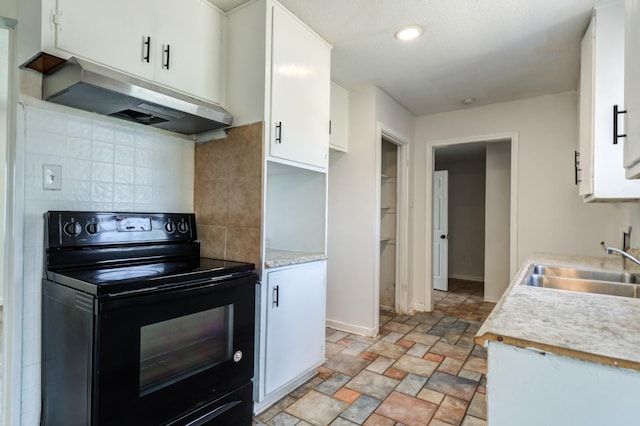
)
(489, 50)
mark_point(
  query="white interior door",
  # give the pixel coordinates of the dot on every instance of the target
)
(440, 230)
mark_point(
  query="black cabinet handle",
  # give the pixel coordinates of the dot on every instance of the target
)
(146, 48)
(276, 296)
(329, 126)
(167, 53)
(616, 112)
(279, 132)
(576, 163)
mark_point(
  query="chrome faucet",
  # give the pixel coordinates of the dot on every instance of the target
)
(624, 254)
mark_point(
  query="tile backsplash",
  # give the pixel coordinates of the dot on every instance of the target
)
(106, 164)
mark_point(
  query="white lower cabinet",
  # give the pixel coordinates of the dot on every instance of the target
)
(295, 322)
(527, 387)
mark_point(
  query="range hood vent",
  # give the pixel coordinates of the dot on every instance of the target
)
(91, 87)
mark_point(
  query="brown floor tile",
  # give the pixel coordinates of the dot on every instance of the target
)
(372, 384)
(323, 372)
(450, 365)
(347, 395)
(394, 373)
(474, 363)
(436, 422)
(407, 410)
(346, 364)
(406, 343)
(423, 369)
(398, 327)
(451, 410)
(419, 366)
(431, 396)
(478, 406)
(317, 408)
(378, 420)
(388, 349)
(452, 351)
(368, 356)
(433, 357)
(473, 421)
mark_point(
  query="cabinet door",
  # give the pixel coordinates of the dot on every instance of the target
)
(189, 47)
(300, 78)
(295, 322)
(587, 55)
(111, 33)
(601, 87)
(339, 137)
(632, 88)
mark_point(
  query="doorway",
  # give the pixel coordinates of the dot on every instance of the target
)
(388, 223)
(481, 213)
(391, 290)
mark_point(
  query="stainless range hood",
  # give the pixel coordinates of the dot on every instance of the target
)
(92, 87)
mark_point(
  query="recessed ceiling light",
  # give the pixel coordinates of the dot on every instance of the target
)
(409, 33)
(468, 101)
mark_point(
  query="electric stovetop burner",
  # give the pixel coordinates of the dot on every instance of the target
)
(109, 254)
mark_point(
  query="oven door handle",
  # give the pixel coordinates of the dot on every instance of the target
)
(213, 414)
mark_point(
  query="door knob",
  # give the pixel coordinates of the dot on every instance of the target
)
(443, 236)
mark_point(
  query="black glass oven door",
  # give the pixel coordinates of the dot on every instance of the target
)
(160, 355)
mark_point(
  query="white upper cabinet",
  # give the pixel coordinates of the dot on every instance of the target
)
(339, 131)
(176, 44)
(192, 34)
(101, 32)
(602, 176)
(300, 85)
(278, 71)
(632, 88)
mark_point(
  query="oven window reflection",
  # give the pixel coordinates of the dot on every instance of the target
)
(178, 348)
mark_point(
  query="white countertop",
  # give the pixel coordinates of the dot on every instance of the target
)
(275, 257)
(592, 327)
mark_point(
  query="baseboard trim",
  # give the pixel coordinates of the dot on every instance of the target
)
(350, 328)
(466, 277)
(491, 299)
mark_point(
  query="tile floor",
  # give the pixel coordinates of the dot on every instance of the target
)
(422, 369)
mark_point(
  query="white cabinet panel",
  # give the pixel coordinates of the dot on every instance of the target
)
(632, 88)
(339, 137)
(601, 87)
(102, 32)
(144, 36)
(299, 125)
(295, 322)
(193, 37)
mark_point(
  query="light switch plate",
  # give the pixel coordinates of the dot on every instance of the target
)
(52, 177)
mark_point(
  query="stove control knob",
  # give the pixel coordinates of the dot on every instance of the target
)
(183, 227)
(72, 229)
(170, 227)
(92, 228)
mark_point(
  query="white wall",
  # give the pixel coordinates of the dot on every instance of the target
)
(497, 208)
(466, 214)
(107, 164)
(551, 215)
(352, 248)
(9, 9)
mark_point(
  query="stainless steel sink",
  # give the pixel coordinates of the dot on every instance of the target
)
(623, 284)
(584, 285)
(619, 277)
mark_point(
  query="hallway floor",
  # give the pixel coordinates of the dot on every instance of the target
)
(422, 369)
